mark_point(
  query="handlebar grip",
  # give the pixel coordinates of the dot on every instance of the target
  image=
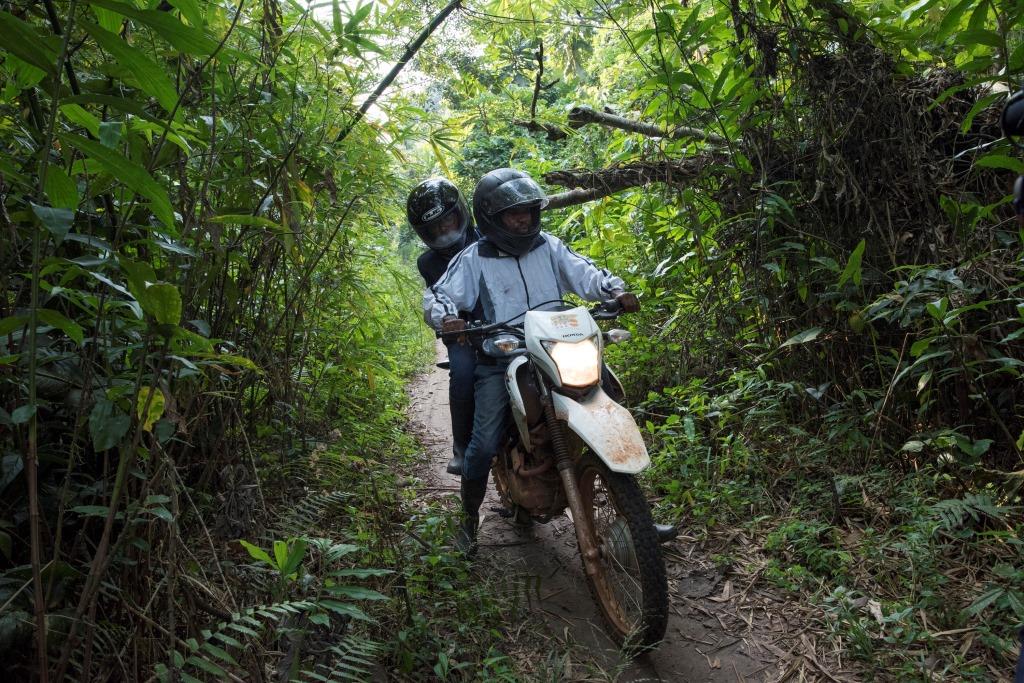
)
(606, 310)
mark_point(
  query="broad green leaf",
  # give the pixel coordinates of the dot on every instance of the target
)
(1001, 161)
(280, 554)
(150, 76)
(296, 553)
(24, 41)
(979, 37)
(12, 323)
(191, 10)
(111, 21)
(121, 104)
(358, 573)
(22, 414)
(358, 16)
(345, 609)
(355, 593)
(257, 553)
(184, 38)
(937, 308)
(57, 221)
(915, 10)
(220, 653)
(128, 172)
(922, 382)
(852, 270)
(981, 105)
(228, 359)
(952, 19)
(61, 189)
(163, 302)
(91, 510)
(163, 513)
(110, 133)
(107, 425)
(246, 219)
(76, 114)
(154, 398)
(20, 74)
(985, 600)
(139, 275)
(440, 158)
(55, 319)
(802, 338)
(208, 666)
(336, 16)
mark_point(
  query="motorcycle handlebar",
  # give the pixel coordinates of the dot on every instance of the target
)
(606, 310)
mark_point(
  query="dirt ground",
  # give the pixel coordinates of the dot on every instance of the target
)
(722, 627)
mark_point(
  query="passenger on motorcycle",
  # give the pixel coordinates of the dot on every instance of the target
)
(514, 267)
(438, 214)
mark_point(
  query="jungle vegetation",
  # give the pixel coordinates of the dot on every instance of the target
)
(209, 313)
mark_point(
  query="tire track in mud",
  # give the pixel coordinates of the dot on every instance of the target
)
(709, 637)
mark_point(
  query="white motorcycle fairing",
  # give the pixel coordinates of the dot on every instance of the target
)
(608, 428)
(518, 405)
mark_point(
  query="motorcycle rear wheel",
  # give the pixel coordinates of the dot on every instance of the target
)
(630, 586)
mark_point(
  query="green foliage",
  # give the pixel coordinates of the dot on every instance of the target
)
(829, 353)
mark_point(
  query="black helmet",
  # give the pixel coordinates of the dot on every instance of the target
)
(429, 204)
(503, 189)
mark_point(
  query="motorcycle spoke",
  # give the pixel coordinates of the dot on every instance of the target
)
(618, 556)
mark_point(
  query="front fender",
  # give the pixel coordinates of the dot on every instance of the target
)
(608, 428)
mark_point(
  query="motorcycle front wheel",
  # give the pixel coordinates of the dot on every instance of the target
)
(630, 584)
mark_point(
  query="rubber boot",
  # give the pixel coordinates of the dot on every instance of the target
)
(455, 464)
(473, 492)
(665, 532)
(462, 429)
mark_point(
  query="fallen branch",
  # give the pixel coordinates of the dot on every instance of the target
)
(590, 185)
(581, 116)
(552, 131)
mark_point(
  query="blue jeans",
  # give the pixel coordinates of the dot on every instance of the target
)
(461, 365)
(491, 419)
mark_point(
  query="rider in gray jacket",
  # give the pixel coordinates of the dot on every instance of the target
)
(513, 268)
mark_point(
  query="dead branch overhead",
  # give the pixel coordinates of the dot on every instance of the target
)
(581, 116)
(589, 185)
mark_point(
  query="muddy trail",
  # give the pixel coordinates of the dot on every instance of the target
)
(723, 626)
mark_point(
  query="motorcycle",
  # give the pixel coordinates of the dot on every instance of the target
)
(573, 446)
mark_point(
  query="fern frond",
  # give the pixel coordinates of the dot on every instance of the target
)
(351, 660)
(308, 513)
(214, 654)
(954, 512)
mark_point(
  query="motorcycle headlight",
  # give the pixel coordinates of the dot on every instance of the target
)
(578, 363)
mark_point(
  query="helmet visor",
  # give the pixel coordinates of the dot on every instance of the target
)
(444, 231)
(516, 193)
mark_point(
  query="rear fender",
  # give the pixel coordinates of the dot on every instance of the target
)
(607, 428)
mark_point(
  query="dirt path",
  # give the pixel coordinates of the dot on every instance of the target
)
(719, 628)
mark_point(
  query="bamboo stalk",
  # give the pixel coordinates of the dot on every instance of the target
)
(410, 52)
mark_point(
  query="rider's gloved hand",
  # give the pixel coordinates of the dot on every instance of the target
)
(450, 324)
(629, 302)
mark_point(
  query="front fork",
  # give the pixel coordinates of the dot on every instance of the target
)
(567, 471)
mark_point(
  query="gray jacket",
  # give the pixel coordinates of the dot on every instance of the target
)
(506, 286)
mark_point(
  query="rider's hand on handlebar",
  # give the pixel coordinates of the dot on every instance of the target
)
(451, 324)
(629, 302)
